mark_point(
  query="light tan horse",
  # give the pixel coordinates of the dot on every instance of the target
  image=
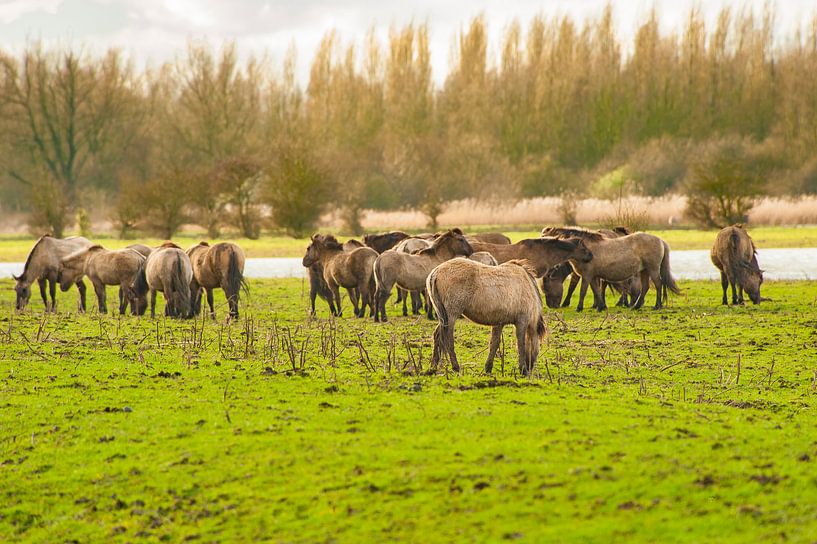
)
(104, 267)
(43, 266)
(617, 259)
(735, 256)
(167, 269)
(220, 265)
(541, 253)
(349, 269)
(629, 289)
(487, 295)
(411, 245)
(409, 271)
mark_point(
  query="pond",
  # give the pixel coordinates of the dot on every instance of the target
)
(778, 264)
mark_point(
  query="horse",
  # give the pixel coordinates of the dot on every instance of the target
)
(317, 283)
(167, 269)
(487, 295)
(489, 238)
(385, 240)
(541, 253)
(140, 305)
(735, 256)
(411, 245)
(628, 289)
(349, 269)
(104, 267)
(618, 259)
(220, 265)
(43, 266)
(410, 271)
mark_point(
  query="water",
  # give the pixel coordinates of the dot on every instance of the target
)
(778, 264)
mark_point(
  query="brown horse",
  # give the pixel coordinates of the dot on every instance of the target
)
(220, 265)
(104, 267)
(167, 269)
(541, 253)
(618, 259)
(735, 256)
(317, 283)
(488, 295)
(410, 271)
(385, 240)
(351, 270)
(629, 289)
(489, 238)
(43, 266)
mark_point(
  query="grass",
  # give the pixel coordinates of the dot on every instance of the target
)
(15, 249)
(691, 424)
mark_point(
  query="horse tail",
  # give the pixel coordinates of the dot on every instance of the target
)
(180, 290)
(436, 301)
(667, 280)
(235, 281)
(140, 282)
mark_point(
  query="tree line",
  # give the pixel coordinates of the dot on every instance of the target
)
(560, 108)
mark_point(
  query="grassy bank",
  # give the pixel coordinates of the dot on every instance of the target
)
(690, 424)
(15, 249)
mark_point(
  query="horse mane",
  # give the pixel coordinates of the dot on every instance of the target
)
(525, 265)
(204, 243)
(31, 253)
(558, 243)
(80, 252)
(168, 245)
(624, 231)
(331, 242)
(574, 232)
(560, 271)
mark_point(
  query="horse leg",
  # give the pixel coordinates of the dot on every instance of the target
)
(740, 295)
(335, 290)
(734, 291)
(582, 294)
(725, 287)
(448, 332)
(82, 290)
(645, 287)
(125, 297)
(521, 333)
(52, 290)
(436, 353)
(429, 309)
(416, 302)
(532, 337)
(101, 297)
(598, 295)
(655, 275)
(152, 303)
(402, 296)
(42, 283)
(574, 281)
(210, 302)
(496, 338)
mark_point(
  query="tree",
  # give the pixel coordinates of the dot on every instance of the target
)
(238, 181)
(723, 184)
(297, 189)
(64, 115)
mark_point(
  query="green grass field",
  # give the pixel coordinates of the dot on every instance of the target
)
(15, 249)
(695, 423)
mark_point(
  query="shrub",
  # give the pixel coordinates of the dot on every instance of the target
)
(722, 185)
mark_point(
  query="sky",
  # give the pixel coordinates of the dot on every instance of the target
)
(155, 31)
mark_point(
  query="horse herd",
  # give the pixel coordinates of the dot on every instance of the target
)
(482, 276)
(139, 271)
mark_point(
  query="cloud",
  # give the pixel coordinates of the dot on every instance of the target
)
(12, 10)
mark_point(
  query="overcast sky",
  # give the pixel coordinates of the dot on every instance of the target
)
(153, 31)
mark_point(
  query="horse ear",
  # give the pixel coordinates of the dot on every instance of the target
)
(15, 278)
(457, 230)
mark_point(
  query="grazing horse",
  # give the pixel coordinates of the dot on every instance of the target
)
(628, 289)
(488, 295)
(141, 304)
(167, 269)
(43, 266)
(541, 253)
(220, 265)
(317, 283)
(410, 271)
(735, 255)
(618, 259)
(349, 269)
(105, 267)
(385, 240)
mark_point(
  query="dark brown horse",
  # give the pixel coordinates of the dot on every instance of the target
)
(385, 240)
(220, 265)
(43, 265)
(541, 253)
(735, 256)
